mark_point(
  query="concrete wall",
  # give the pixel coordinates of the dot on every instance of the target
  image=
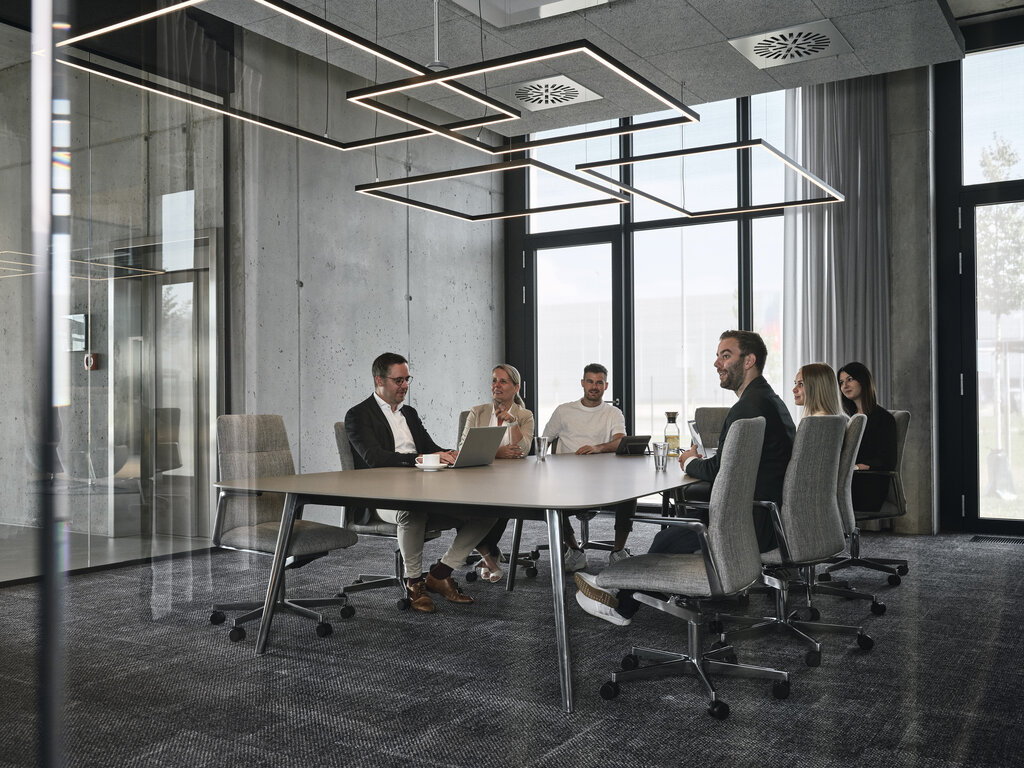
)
(912, 289)
(323, 280)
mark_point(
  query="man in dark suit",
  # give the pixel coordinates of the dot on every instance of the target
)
(384, 432)
(739, 362)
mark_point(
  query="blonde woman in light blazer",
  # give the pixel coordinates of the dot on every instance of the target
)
(505, 409)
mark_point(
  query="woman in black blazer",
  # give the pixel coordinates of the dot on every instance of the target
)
(878, 446)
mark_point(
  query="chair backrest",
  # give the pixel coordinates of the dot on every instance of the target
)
(811, 527)
(463, 417)
(709, 424)
(897, 499)
(731, 534)
(251, 446)
(847, 466)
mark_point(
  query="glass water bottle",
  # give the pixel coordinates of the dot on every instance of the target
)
(672, 433)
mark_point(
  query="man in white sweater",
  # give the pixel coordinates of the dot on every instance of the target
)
(590, 425)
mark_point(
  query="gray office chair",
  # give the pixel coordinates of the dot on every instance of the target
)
(810, 532)
(847, 466)
(895, 505)
(257, 446)
(710, 420)
(372, 525)
(728, 563)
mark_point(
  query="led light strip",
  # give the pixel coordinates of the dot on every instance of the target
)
(376, 189)
(832, 195)
(504, 112)
(368, 97)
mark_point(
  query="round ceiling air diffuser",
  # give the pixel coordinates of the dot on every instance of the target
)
(549, 94)
(792, 46)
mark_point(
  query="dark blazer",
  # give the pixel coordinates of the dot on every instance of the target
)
(758, 399)
(878, 451)
(373, 443)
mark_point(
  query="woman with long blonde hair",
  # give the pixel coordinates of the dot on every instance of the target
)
(815, 389)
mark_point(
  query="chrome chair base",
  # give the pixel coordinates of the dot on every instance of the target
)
(788, 623)
(696, 662)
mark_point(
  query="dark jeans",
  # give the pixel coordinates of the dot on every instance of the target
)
(623, 522)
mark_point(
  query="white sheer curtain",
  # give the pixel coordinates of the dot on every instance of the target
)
(836, 290)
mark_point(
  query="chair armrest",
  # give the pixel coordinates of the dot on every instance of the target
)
(698, 527)
(218, 520)
(776, 517)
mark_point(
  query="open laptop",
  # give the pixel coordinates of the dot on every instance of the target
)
(479, 447)
(695, 436)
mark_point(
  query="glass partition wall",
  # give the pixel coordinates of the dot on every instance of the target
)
(133, 448)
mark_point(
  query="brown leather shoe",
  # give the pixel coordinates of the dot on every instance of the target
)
(448, 589)
(418, 597)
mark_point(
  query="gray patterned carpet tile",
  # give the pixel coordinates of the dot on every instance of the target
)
(150, 682)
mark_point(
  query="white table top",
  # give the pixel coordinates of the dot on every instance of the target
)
(561, 482)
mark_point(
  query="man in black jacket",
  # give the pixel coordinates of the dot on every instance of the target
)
(739, 362)
(384, 432)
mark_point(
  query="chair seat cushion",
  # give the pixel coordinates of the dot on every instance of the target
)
(669, 573)
(308, 538)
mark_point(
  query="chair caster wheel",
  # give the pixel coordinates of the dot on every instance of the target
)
(403, 603)
(470, 576)
(877, 608)
(609, 690)
(826, 576)
(217, 617)
(813, 614)
(719, 710)
(531, 572)
(236, 635)
(715, 627)
(630, 661)
(902, 570)
(780, 689)
(813, 658)
(347, 611)
(894, 580)
(323, 629)
(535, 554)
(866, 642)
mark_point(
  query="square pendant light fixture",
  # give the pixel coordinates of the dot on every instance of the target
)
(370, 97)
(377, 189)
(831, 195)
(499, 111)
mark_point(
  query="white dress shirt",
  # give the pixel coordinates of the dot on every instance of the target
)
(399, 426)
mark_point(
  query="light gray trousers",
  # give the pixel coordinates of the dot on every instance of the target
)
(412, 529)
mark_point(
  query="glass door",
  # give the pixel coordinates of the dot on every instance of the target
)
(576, 307)
(998, 250)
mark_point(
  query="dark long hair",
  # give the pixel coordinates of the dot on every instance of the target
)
(859, 373)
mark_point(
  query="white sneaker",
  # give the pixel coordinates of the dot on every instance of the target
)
(574, 560)
(587, 584)
(601, 611)
(617, 555)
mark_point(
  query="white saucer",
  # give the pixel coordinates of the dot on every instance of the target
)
(433, 468)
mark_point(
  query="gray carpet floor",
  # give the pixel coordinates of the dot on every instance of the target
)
(150, 682)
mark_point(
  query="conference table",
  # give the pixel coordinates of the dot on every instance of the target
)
(525, 489)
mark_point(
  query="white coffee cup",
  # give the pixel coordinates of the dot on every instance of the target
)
(431, 460)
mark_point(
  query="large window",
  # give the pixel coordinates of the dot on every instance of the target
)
(993, 116)
(679, 282)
